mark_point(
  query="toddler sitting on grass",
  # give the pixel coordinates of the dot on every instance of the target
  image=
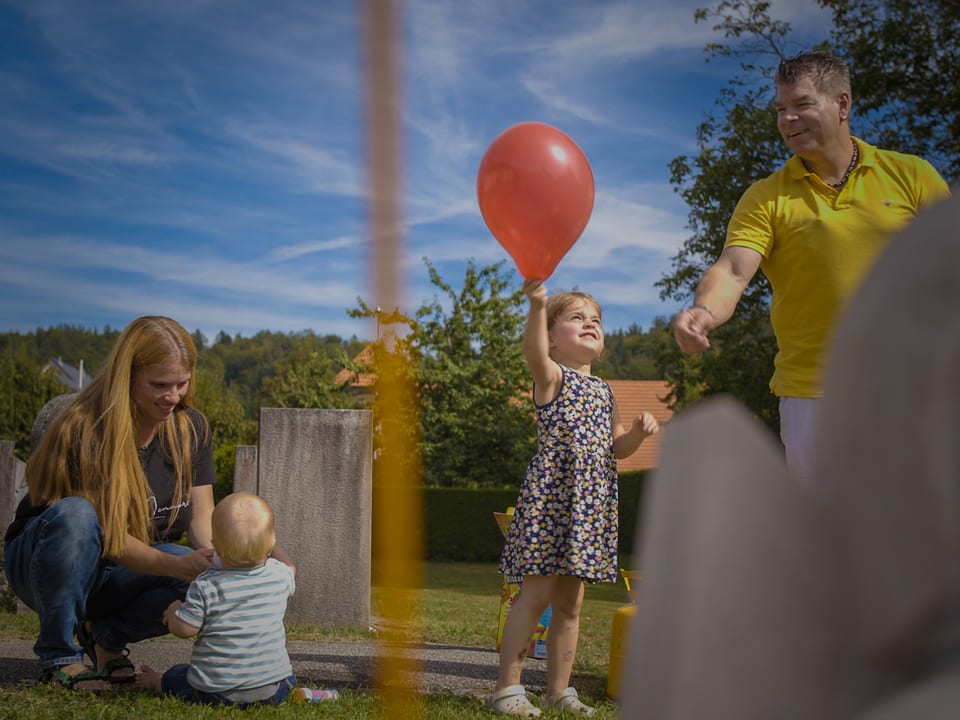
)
(235, 612)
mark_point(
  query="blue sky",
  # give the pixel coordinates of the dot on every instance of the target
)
(205, 159)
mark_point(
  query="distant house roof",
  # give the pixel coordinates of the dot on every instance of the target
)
(633, 397)
(73, 378)
(359, 381)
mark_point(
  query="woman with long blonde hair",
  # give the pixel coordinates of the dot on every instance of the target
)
(117, 479)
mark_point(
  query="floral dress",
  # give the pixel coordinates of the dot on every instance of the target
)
(566, 519)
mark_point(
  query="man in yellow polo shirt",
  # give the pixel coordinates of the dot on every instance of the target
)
(815, 228)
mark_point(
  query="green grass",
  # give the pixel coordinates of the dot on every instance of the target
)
(458, 606)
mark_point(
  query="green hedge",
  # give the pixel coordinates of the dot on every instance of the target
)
(460, 525)
(631, 507)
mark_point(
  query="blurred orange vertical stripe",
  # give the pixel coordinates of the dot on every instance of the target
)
(399, 530)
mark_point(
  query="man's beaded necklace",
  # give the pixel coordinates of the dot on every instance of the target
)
(850, 167)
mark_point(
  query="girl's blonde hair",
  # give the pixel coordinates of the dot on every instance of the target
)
(557, 304)
(90, 448)
(243, 530)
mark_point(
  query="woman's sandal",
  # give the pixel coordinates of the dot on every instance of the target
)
(56, 676)
(120, 663)
(569, 701)
(89, 644)
(512, 701)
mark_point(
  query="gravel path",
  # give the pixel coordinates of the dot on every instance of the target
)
(444, 669)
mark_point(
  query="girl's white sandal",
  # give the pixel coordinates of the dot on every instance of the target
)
(512, 701)
(569, 701)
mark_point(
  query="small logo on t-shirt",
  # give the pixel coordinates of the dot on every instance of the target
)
(158, 511)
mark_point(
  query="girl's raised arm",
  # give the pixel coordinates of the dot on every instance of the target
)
(536, 344)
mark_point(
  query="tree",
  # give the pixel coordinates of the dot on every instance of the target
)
(477, 418)
(904, 58)
(629, 355)
(304, 378)
(738, 145)
(24, 390)
(681, 371)
(392, 359)
(463, 351)
(75, 345)
(249, 362)
(229, 424)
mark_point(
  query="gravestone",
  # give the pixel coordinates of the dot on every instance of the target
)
(245, 469)
(316, 472)
(12, 489)
(47, 413)
(12, 481)
(12, 486)
(762, 597)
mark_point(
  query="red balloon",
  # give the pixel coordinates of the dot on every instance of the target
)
(535, 189)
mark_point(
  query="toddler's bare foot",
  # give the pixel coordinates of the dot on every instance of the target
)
(148, 679)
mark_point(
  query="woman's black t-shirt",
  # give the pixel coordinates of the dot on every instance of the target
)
(161, 477)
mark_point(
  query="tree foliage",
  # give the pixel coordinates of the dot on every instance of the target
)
(904, 58)
(75, 345)
(304, 378)
(248, 362)
(391, 363)
(466, 363)
(24, 389)
(738, 145)
(229, 424)
(628, 355)
(461, 351)
(477, 417)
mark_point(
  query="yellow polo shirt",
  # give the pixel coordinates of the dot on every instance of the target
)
(818, 243)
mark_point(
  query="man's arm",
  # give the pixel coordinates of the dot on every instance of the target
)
(716, 297)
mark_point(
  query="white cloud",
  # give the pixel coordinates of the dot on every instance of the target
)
(209, 157)
(319, 169)
(45, 263)
(551, 96)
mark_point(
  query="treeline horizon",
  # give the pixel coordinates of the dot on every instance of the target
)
(237, 375)
(628, 354)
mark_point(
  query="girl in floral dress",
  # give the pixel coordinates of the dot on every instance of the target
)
(564, 529)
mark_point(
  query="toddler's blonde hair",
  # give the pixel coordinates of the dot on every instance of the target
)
(243, 530)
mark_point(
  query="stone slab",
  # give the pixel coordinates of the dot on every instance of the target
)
(315, 470)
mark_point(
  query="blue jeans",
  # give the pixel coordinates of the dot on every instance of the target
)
(174, 682)
(55, 566)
